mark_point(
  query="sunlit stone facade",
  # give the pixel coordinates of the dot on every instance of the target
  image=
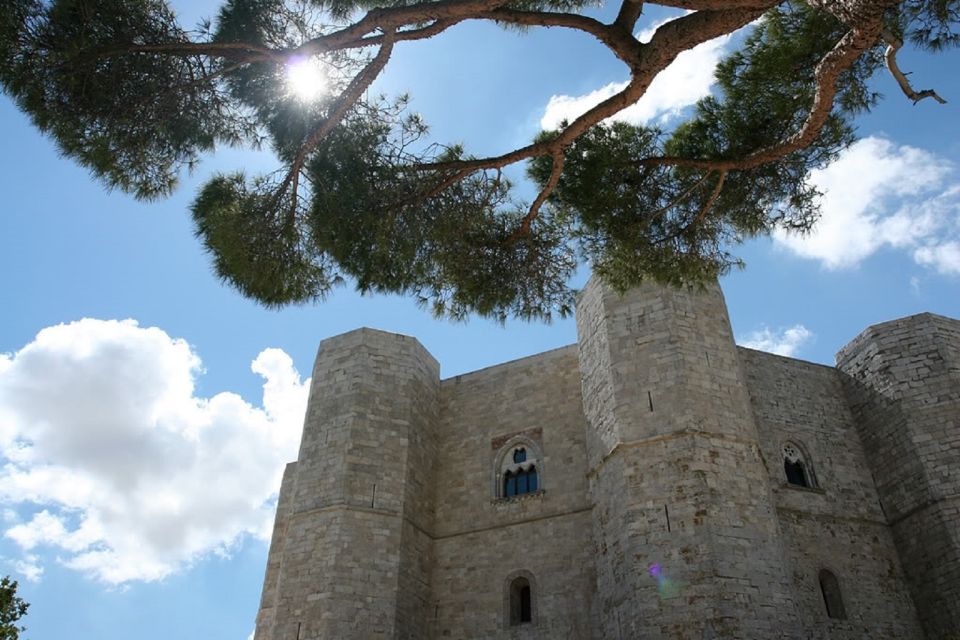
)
(652, 481)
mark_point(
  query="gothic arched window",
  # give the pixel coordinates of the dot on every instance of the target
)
(796, 466)
(521, 601)
(832, 598)
(516, 483)
(518, 470)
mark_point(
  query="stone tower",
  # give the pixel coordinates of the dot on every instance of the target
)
(673, 452)
(652, 481)
(903, 382)
(348, 555)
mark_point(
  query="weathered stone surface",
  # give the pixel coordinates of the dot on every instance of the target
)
(663, 508)
(902, 380)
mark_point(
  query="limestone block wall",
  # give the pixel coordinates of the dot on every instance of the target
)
(686, 542)
(348, 563)
(266, 616)
(663, 509)
(482, 542)
(902, 380)
(838, 525)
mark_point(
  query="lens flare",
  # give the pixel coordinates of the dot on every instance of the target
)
(306, 79)
(665, 586)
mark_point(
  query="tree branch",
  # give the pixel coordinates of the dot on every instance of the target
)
(347, 99)
(622, 45)
(683, 196)
(555, 172)
(717, 188)
(890, 57)
(628, 15)
(650, 59)
(392, 19)
(213, 49)
(717, 5)
(839, 59)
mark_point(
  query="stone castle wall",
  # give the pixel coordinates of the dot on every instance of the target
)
(902, 380)
(481, 542)
(837, 525)
(663, 509)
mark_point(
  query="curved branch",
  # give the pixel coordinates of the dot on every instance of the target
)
(890, 57)
(839, 59)
(717, 188)
(716, 5)
(408, 35)
(620, 42)
(652, 58)
(558, 161)
(392, 19)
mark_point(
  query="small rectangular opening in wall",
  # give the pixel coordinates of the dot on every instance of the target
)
(650, 400)
(373, 496)
(666, 513)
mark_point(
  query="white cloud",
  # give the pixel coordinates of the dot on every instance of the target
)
(944, 257)
(879, 194)
(783, 342)
(688, 78)
(135, 474)
(28, 567)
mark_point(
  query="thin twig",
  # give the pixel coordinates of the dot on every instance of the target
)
(683, 196)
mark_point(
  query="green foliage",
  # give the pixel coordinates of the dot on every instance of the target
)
(12, 608)
(631, 221)
(931, 24)
(634, 220)
(118, 86)
(451, 248)
(256, 243)
(372, 219)
(134, 120)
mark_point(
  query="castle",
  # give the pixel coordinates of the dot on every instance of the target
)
(653, 480)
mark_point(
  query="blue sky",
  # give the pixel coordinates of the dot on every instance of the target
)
(146, 410)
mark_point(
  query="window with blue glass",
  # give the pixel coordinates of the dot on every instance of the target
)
(518, 482)
(518, 470)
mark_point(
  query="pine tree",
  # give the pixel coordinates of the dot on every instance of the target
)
(364, 195)
(12, 609)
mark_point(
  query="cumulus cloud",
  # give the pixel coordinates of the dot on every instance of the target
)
(879, 194)
(783, 342)
(944, 257)
(688, 78)
(28, 567)
(128, 474)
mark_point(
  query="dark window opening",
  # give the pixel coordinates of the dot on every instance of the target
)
(520, 455)
(525, 611)
(521, 602)
(520, 482)
(796, 474)
(832, 598)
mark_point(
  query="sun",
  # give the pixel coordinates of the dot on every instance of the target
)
(306, 79)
